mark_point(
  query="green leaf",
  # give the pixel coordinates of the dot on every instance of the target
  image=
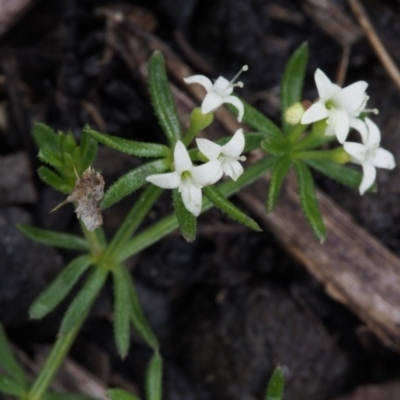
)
(88, 152)
(122, 309)
(293, 79)
(186, 220)
(67, 396)
(49, 157)
(256, 119)
(154, 378)
(226, 206)
(54, 180)
(276, 385)
(8, 361)
(279, 173)
(132, 181)
(131, 147)
(163, 103)
(276, 146)
(308, 199)
(68, 143)
(53, 238)
(139, 321)
(119, 394)
(46, 138)
(84, 300)
(60, 287)
(10, 387)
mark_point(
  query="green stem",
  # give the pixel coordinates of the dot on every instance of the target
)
(53, 362)
(296, 132)
(135, 217)
(95, 239)
(170, 223)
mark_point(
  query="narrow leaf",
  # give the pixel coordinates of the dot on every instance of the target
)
(53, 238)
(67, 396)
(134, 148)
(52, 179)
(10, 387)
(139, 321)
(276, 385)
(122, 310)
(132, 181)
(83, 301)
(46, 138)
(256, 119)
(340, 173)
(60, 287)
(226, 206)
(89, 155)
(119, 394)
(276, 146)
(293, 79)
(154, 378)
(309, 201)
(49, 157)
(8, 361)
(186, 220)
(163, 103)
(279, 173)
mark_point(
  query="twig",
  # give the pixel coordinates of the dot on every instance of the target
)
(370, 33)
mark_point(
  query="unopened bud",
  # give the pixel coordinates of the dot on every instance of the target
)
(294, 113)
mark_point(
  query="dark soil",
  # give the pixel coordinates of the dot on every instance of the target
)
(232, 305)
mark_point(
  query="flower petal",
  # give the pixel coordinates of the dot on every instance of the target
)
(222, 87)
(233, 169)
(326, 89)
(181, 158)
(368, 178)
(211, 102)
(340, 122)
(356, 150)
(316, 112)
(384, 159)
(207, 174)
(191, 197)
(374, 134)
(210, 149)
(235, 146)
(361, 127)
(201, 80)
(170, 180)
(351, 95)
(237, 104)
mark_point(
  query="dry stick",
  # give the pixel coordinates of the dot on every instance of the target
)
(355, 268)
(376, 44)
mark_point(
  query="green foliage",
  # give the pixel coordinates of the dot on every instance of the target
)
(66, 159)
(132, 181)
(122, 309)
(279, 173)
(119, 394)
(9, 363)
(10, 387)
(276, 385)
(60, 287)
(293, 79)
(53, 238)
(186, 220)
(276, 146)
(131, 147)
(308, 199)
(163, 102)
(83, 301)
(154, 378)
(226, 206)
(66, 396)
(198, 122)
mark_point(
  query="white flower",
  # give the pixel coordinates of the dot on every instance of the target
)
(188, 179)
(219, 92)
(228, 156)
(369, 155)
(340, 106)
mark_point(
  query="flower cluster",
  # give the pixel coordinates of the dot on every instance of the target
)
(343, 108)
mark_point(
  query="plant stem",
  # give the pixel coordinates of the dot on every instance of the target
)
(170, 223)
(53, 362)
(135, 217)
(95, 239)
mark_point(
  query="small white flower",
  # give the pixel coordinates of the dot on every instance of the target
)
(219, 92)
(188, 179)
(369, 155)
(228, 156)
(340, 106)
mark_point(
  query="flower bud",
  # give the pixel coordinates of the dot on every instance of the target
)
(294, 113)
